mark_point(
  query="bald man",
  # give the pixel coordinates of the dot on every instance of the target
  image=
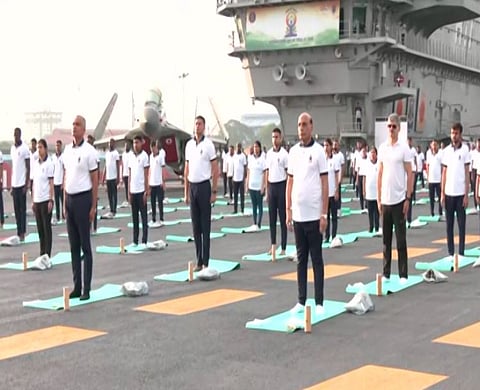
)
(81, 188)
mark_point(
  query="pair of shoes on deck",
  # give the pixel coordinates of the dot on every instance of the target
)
(299, 308)
(83, 297)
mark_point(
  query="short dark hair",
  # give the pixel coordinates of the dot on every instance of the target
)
(201, 118)
(34, 140)
(329, 141)
(90, 137)
(42, 142)
(457, 126)
(138, 137)
(277, 130)
(58, 141)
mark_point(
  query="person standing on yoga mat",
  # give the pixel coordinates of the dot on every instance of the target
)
(201, 166)
(394, 194)
(125, 157)
(2, 211)
(81, 191)
(455, 187)
(112, 175)
(275, 183)
(256, 184)
(307, 205)
(434, 177)
(91, 141)
(138, 167)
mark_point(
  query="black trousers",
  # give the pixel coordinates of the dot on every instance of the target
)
(257, 206)
(473, 182)
(360, 192)
(332, 218)
(225, 183)
(112, 195)
(230, 187)
(2, 210)
(44, 227)
(58, 200)
(156, 195)
(238, 187)
(78, 227)
(139, 207)
(373, 217)
(454, 205)
(393, 216)
(20, 208)
(339, 201)
(419, 175)
(434, 188)
(276, 204)
(125, 184)
(201, 214)
(308, 240)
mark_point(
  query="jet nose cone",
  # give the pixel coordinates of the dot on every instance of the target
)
(151, 121)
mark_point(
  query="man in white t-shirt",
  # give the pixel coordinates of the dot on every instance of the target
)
(361, 165)
(2, 210)
(20, 181)
(420, 161)
(307, 205)
(239, 175)
(231, 153)
(413, 157)
(337, 153)
(225, 156)
(91, 141)
(125, 158)
(33, 158)
(138, 166)
(394, 195)
(57, 160)
(276, 183)
(475, 156)
(81, 192)
(157, 182)
(455, 185)
(434, 177)
(112, 175)
(201, 166)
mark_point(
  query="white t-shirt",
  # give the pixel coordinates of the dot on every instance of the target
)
(306, 164)
(475, 156)
(394, 183)
(413, 157)
(455, 161)
(361, 164)
(58, 169)
(225, 157)
(276, 164)
(434, 162)
(230, 166)
(200, 157)
(341, 159)
(137, 164)
(111, 158)
(43, 171)
(125, 159)
(333, 167)
(420, 160)
(239, 166)
(371, 175)
(256, 170)
(19, 171)
(79, 162)
(156, 170)
(476, 165)
(33, 160)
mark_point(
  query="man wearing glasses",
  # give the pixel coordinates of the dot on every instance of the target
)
(394, 196)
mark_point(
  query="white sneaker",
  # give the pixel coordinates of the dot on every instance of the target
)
(297, 309)
(385, 279)
(54, 221)
(403, 281)
(319, 310)
(379, 233)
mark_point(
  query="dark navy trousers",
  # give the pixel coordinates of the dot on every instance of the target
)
(201, 214)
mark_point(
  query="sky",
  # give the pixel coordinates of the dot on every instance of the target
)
(71, 56)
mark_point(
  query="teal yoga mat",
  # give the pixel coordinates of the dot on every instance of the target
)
(59, 258)
(116, 249)
(107, 291)
(12, 226)
(33, 223)
(172, 200)
(346, 238)
(118, 215)
(389, 287)
(365, 234)
(232, 230)
(428, 218)
(221, 266)
(100, 230)
(175, 238)
(290, 252)
(471, 211)
(288, 323)
(421, 201)
(30, 238)
(445, 264)
(233, 215)
(475, 252)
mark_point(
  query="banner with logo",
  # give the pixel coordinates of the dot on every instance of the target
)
(293, 26)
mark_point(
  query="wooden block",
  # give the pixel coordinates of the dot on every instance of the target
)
(455, 263)
(308, 319)
(274, 253)
(25, 260)
(66, 299)
(122, 245)
(379, 285)
(190, 271)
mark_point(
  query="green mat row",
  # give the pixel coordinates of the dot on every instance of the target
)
(445, 264)
(392, 286)
(176, 238)
(59, 258)
(221, 266)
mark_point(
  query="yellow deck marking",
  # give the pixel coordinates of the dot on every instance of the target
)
(198, 302)
(379, 377)
(41, 339)
(412, 253)
(468, 337)
(469, 239)
(331, 271)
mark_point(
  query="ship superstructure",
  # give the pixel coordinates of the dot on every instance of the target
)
(348, 62)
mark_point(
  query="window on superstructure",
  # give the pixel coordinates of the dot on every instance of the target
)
(359, 19)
